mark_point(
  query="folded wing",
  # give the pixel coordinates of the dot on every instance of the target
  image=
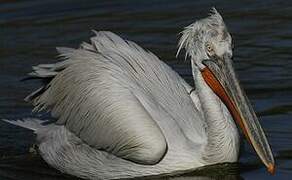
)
(99, 93)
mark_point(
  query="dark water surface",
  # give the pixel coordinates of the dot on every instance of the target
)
(262, 31)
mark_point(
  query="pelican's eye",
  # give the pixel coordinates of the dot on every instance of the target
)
(210, 50)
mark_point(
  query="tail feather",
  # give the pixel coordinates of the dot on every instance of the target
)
(28, 123)
(35, 94)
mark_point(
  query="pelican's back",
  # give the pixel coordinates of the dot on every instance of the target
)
(119, 99)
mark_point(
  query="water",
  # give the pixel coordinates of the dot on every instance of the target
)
(262, 32)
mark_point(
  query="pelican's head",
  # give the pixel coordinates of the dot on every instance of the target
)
(209, 45)
(206, 38)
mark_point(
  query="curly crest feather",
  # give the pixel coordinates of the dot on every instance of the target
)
(195, 35)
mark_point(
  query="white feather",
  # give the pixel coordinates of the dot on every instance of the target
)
(123, 113)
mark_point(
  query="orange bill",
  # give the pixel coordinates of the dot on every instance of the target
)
(220, 77)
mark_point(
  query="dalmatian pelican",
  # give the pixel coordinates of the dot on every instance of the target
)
(118, 111)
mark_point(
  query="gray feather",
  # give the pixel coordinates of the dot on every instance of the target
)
(27, 123)
(120, 100)
(107, 93)
(122, 113)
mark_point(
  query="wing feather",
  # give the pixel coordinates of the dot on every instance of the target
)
(97, 91)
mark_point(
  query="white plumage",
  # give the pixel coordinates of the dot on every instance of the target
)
(122, 113)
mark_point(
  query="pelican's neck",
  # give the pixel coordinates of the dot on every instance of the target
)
(223, 139)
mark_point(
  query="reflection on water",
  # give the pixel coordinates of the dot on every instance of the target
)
(262, 32)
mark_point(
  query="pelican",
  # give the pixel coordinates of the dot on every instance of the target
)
(118, 111)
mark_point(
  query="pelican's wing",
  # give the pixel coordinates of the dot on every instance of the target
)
(107, 92)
